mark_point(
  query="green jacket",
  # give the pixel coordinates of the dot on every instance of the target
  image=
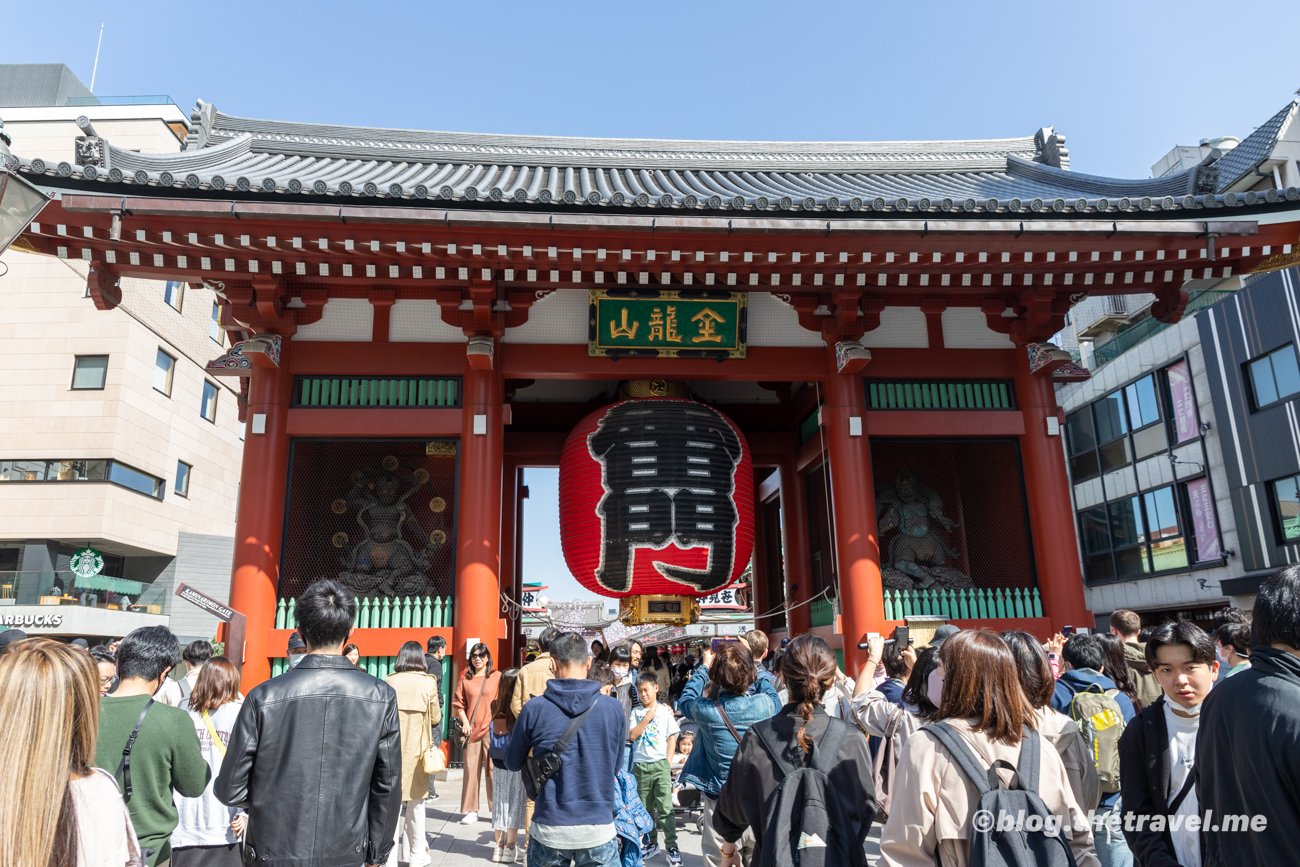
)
(1147, 688)
(166, 756)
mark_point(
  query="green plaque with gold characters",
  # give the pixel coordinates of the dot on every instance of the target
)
(667, 323)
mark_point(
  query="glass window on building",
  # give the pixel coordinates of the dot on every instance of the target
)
(163, 371)
(183, 478)
(1168, 547)
(1111, 429)
(81, 470)
(1274, 376)
(129, 477)
(173, 294)
(214, 325)
(1082, 442)
(89, 372)
(1286, 503)
(208, 408)
(1149, 436)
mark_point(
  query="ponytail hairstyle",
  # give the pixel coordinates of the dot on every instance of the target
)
(809, 667)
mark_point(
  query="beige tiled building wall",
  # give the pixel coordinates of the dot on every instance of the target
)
(46, 321)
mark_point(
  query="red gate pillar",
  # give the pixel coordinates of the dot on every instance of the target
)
(478, 525)
(1047, 492)
(259, 527)
(798, 560)
(862, 601)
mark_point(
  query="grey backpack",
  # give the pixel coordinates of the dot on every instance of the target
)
(1019, 831)
(806, 823)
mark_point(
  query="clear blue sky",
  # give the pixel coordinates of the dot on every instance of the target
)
(1125, 81)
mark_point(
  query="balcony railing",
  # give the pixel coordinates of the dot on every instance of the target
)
(65, 588)
(1133, 335)
(977, 603)
(1110, 313)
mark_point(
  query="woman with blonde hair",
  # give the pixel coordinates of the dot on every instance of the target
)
(56, 809)
(418, 712)
(208, 831)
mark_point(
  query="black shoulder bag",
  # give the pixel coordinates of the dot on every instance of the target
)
(124, 766)
(538, 769)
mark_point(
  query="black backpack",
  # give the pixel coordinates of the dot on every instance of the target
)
(992, 845)
(806, 823)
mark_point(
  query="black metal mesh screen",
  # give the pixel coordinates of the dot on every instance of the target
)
(378, 515)
(951, 513)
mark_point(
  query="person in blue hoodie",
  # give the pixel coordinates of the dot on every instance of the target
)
(1085, 657)
(574, 819)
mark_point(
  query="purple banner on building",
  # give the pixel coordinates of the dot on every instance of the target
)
(1186, 423)
(1203, 520)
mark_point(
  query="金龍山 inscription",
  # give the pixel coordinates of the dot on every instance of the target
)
(667, 323)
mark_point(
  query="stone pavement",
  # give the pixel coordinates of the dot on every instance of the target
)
(455, 845)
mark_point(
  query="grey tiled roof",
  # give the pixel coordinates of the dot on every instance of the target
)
(256, 158)
(1255, 147)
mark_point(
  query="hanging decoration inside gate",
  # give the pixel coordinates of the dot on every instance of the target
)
(656, 504)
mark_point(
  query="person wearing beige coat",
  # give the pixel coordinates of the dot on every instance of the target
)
(933, 802)
(418, 711)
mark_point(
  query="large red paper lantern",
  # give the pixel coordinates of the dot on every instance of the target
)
(656, 497)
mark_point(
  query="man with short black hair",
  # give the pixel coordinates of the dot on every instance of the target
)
(315, 757)
(435, 650)
(1248, 748)
(164, 754)
(1157, 752)
(574, 820)
(196, 654)
(1127, 626)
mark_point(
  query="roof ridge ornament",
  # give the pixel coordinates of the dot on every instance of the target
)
(201, 121)
(1051, 148)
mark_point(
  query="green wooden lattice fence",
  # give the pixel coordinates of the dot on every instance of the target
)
(979, 603)
(957, 394)
(402, 391)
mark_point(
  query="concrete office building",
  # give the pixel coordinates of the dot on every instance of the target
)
(111, 435)
(1180, 465)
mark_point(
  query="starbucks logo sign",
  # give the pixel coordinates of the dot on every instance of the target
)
(86, 563)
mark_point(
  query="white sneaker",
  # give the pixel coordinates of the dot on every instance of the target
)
(509, 854)
(469, 818)
(498, 855)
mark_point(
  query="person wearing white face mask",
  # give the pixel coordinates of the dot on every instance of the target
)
(297, 650)
(1232, 647)
(1157, 752)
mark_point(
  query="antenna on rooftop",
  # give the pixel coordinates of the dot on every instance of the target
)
(96, 67)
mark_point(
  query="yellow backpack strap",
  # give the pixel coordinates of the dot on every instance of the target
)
(216, 739)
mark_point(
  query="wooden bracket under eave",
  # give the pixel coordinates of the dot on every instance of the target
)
(104, 286)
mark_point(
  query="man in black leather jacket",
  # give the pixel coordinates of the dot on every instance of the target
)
(315, 757)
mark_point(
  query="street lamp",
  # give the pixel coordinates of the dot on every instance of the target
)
(20, 201)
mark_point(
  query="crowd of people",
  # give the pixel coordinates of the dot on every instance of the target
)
(1157, 747)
